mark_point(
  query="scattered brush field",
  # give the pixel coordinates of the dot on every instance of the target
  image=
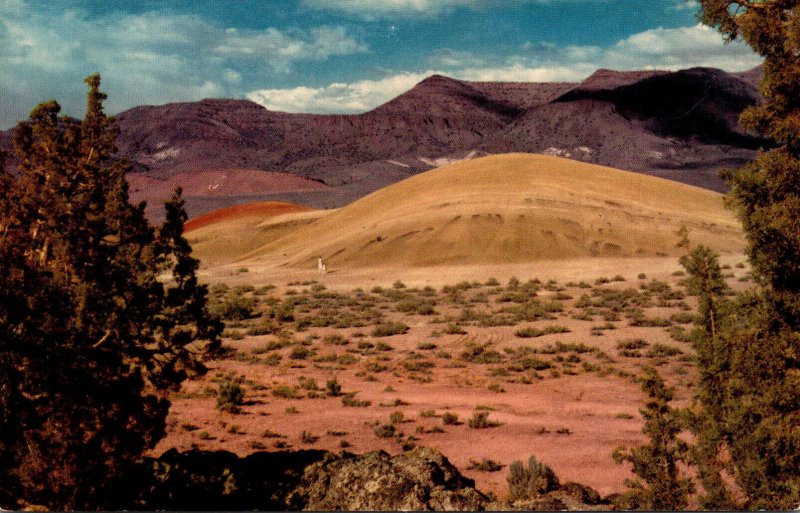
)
(485, 371)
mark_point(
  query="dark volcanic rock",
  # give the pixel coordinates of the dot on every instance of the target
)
(420, 479)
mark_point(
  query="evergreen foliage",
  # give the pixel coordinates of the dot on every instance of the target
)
(748, 402)
(91, 340)
(660, 486)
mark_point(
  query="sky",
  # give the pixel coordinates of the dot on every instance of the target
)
(330, 56)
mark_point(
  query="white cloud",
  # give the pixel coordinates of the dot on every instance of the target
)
(371, 9)
(686, 5)
(374, 8)
(683, 47)
(453, 58)
(353, 97)
(281, 49)
(145, 58)
(521, 73)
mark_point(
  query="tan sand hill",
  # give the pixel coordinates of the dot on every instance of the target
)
(504, 209)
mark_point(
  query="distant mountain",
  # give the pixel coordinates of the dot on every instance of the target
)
(679, 125)
(682, 125)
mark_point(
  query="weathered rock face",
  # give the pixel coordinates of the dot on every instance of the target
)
(420, 479)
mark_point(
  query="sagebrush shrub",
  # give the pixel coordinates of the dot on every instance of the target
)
(230, 396)
(531, 482)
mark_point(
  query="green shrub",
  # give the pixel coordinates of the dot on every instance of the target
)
(642, 321)
(632, 344)
(350, 401)
(389, 329)
(263, 329)
(418, 365)
(384, 431)
(308, 438)
(333, 387)
(235, 308)
(272, 359)
(335, 340)
(454, 329)
(531, 332)
(531, 482)
(496, 388)
(662, 350)
(300, 353)
(480, 353)
(417, 306)
(485, 465)
(230, 396)
(480, 420)
(682, 318)
(286, 392)
(233, 334)
(449, 419)
(679, 334)
(308, 383)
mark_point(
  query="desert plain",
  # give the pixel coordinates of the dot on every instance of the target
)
(492, 309)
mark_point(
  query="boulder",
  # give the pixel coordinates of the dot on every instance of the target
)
(581, 493)
(419, 479)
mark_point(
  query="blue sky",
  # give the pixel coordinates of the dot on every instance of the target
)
(330, 55)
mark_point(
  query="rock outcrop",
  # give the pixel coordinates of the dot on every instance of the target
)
(420, 479)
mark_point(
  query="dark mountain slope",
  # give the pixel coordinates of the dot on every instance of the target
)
(681, 125)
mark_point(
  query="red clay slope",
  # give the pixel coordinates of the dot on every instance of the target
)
(262, 209)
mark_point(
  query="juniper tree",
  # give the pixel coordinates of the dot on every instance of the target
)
(749, 390)
(705, 281)
(91, 341)
(660, 485)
